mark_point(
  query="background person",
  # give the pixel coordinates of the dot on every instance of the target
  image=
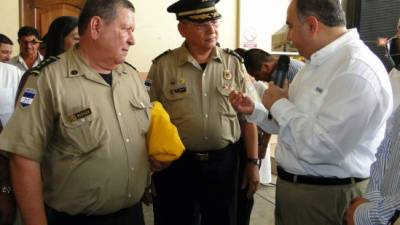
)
(262, 66)
(62, 35)
(29, 56)
(393, 52)
(6, 47)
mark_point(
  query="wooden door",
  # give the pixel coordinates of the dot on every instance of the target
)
(40, 13)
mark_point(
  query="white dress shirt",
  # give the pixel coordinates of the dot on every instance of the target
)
(19, 62)
(383, 192)
(9, 80)
(334, 119)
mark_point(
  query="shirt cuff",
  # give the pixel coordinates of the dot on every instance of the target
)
(280, 108)
(259, 113)
(372, 196)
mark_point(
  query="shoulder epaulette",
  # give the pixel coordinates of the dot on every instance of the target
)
(36, 70)
(231, 52)
(158, 57)
(130, 65)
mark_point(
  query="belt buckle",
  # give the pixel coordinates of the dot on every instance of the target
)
(201, 156)
(294, 178)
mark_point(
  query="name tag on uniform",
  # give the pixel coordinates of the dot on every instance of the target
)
(79, 115)
(27, 97)
(180, 90)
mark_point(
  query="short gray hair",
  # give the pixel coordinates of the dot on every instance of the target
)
(329, 12)
(106, 9)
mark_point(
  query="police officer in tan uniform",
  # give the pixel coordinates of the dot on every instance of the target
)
(193, 83)
(76, 141)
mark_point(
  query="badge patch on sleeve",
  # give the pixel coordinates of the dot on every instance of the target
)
(27, 97)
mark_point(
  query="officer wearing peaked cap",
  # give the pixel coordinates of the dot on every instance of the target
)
(193, 83)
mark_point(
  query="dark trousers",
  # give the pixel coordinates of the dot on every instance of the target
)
(194, 184)
(394, 217)
(129, 216)
(244, 204)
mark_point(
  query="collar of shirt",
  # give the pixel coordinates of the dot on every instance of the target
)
(21, 61)
(320, 56)
(79, 67)
(185, 56)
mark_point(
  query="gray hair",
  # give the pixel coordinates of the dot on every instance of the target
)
(329, 12)
(106, 9)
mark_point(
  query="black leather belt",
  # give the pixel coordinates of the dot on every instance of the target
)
(313, 180)
(208, 155)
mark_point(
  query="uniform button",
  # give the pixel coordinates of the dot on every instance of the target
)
(206, 138)
(206, 115)
(129, 196)
(83, 120)
(132, 169)
(205, 94)
(119, 114)
(204, 74)
(127, 140)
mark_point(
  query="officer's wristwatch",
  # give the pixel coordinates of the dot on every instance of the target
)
(6, 189)
(252, 161)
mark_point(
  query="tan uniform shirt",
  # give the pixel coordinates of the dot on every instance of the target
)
(196, 100)
(89, 137)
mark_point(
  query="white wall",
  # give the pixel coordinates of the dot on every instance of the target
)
(260, 19)
(9, 24)
(156, 29)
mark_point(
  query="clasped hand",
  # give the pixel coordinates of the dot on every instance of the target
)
(244, 104)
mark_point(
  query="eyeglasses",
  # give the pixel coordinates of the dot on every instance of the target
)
(203, 26)
(33, 42)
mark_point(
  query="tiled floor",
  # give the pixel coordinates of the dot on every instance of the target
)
(263, 210)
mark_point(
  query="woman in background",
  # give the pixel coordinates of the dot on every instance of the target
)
(62, 35)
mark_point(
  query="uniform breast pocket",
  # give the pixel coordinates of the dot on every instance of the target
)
(224, 106)
(141, 110)
(82, 134)
(177, 103)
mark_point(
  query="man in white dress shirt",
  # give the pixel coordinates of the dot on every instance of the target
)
(330, 121)
(9, 79)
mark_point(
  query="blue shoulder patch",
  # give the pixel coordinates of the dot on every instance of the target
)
(27, 97)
